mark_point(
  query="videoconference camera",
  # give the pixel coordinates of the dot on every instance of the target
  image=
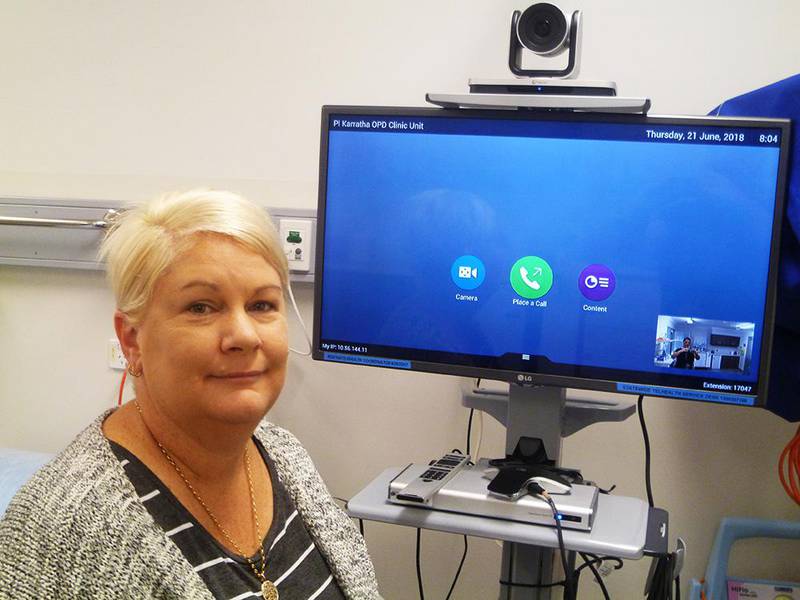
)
(543, 29)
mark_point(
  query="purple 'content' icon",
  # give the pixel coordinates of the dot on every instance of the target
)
(597, 282)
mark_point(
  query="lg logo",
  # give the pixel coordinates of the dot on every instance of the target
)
(525, 378)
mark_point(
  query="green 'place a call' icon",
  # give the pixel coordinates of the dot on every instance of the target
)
(531, 277)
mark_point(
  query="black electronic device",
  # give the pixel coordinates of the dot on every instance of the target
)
(527, 464)
(542, 28)
(729, 341)
(436, 227)
(512, 482)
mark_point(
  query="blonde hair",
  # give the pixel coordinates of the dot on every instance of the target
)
(143, 241)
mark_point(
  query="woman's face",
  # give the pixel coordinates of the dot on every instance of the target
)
(213, 341)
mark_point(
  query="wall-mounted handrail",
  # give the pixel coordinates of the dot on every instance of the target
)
(104, 223)
(63, 233)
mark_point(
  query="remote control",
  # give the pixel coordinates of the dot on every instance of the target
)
(439, 472)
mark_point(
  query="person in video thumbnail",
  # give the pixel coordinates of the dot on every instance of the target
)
(685, 357)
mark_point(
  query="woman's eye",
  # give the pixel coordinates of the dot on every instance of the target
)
(198, 308)
(262, 306)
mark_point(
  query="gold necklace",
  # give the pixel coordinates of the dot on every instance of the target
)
(268, 589)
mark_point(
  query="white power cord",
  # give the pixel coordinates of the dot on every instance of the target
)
(477, 454)
(302, 324)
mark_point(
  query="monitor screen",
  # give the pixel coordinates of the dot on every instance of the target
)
(618, 253)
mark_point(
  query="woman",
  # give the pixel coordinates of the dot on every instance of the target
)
(185, 492)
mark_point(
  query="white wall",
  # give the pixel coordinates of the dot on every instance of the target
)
(122, 99)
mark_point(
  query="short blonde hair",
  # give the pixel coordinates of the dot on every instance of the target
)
(143, 241)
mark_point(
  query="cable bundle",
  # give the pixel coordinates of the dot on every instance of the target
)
(789, 467)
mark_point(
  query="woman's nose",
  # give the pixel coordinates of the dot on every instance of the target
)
(240, 332)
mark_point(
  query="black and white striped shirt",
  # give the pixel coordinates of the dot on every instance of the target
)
(294, 564)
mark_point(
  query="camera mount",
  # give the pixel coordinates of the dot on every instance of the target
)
(542, 29)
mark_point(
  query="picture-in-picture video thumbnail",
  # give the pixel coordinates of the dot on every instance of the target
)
(704, 344)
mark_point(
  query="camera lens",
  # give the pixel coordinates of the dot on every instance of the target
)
(542, 28)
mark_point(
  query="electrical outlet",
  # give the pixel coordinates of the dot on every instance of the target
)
(116, 359)
(296, 240)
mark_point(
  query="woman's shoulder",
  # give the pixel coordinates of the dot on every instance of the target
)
(70, 482)
(80, 517)
(295, 468)
(272, 435)
(58, 512)
(282, 446)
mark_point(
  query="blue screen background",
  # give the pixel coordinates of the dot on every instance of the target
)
(685, 228)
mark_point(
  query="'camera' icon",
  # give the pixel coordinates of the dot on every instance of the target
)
(465, 272)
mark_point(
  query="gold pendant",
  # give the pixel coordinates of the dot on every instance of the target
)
(268, 590)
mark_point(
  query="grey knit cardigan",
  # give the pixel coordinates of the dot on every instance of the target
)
(78, 529)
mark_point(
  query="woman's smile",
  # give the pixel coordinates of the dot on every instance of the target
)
(244, 376)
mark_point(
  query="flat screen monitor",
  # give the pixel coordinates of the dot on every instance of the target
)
(618, 253)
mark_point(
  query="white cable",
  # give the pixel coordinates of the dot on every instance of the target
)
(476, 456)
(480, 437)
(302, 323)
